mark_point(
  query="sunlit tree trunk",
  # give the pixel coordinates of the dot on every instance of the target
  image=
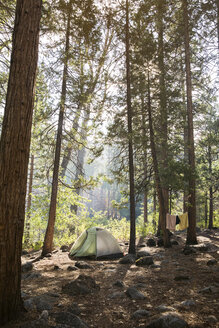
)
(48, 240)
(14, 152)
(191, 231)
(130, 142)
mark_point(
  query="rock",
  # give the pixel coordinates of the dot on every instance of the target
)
(116, 295)
(56, 267)
(209, 290)
(134, 294)
(189, 250)
(142, 254)
(188, 303)
(48, 255)
(31, 275)
(27, 267)
(119, 283)
(29, 304)
(83, 265)
(44, 315)
(64, 248)
(81, 286)
(72, 268)
(70, 319)
(164, 308)
(128, 259)
(42, 304)
(181, 277)
(74, 309)
(55, 251)
(151, 242)
(168, 321)
(139, 314)
(160, 242)
(211, 319)
(146, 260)
(212, 262)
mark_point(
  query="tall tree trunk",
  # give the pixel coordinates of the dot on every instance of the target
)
(48, 240)
(191, 231)
(29, 199)
(130, 142)
(163, 211)
(14, 153)
(210, 223)
(144, 138)
(163, 102)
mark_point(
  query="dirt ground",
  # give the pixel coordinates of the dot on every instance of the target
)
(158, 284)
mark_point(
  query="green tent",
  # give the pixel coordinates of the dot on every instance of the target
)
(96, 242)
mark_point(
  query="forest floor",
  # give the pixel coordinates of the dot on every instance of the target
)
(174, 279)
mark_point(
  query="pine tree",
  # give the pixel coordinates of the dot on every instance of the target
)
(14, 153)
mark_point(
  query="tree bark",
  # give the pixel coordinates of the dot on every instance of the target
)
(130, 142)
(191, 231)
(29, 200)
(48, 240)
(210, 223)
(163, 103)
(14, 152)
(162, 208)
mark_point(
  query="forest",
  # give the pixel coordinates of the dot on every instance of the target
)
(108, 118)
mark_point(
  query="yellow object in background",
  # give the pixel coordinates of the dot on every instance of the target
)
(184, 222)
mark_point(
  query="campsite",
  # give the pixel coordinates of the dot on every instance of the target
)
(109, 163)
(178, 283)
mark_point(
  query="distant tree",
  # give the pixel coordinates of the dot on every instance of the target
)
(14, 153)
(48, 241)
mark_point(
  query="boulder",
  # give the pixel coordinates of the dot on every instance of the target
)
(146, 260)
(83, 285)
(134, 294)
(139, 314)
(69, 319)
(151, 242)
(128, 259)
(168, 321)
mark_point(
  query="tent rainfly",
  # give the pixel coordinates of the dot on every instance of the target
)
(96, 242)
